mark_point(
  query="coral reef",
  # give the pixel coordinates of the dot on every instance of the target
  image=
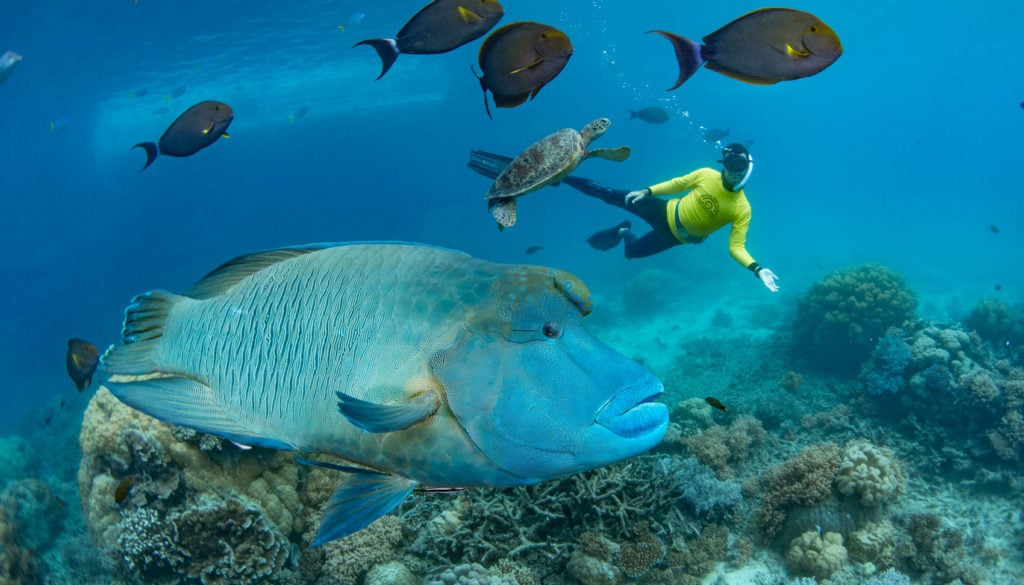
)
(869, 473)
(18, 565)
(841, 317)
(882, 374)
(472, 574)
(960, 389)
(803, 480)
(345, 560)
(390, 573)
(707, 495)
(992, 320)
(719, 446)
(816, 554)
(218, 516)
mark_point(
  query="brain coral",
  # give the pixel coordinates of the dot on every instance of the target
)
(816, 554)
(870, 473)
(841, 317)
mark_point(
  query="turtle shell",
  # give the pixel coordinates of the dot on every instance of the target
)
(544, 162)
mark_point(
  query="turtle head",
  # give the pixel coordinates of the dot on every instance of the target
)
(595, 129)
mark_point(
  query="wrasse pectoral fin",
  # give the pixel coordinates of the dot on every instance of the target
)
(385, 418)
(226, 135)
(359, 501)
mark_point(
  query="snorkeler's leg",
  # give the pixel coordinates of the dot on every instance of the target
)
(653, 242)
(616, 197)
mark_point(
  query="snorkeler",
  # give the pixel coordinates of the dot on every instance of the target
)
(714, 199)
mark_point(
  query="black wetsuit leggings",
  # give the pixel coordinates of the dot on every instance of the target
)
(650, 209)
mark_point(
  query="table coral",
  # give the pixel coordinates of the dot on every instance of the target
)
(841, 317)
(870, 473)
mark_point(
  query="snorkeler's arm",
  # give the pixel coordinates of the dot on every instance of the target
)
(738, 242)
(676, 185)
(738, 250)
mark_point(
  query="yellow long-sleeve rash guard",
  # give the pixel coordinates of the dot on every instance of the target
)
(706, 208)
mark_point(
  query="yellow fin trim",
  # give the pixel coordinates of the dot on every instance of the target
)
(795, 53)
(468, 16)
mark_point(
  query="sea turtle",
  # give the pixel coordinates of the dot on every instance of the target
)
(546, 162)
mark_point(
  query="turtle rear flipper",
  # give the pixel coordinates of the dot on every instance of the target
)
(616, 154)
(504, 211)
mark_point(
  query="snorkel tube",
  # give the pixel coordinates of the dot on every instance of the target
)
(746, 174)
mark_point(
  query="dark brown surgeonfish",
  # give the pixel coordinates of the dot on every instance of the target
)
(81, 361)
(518, 59)
(439, 27)
(762, 47)
(195, 129)
(651, 114)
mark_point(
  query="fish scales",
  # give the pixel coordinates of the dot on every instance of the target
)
(275, 306)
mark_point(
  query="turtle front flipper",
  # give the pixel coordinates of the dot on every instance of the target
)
(616, 154)
(504, 211)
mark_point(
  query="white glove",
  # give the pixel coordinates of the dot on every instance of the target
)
(634, 196)
(768, 278)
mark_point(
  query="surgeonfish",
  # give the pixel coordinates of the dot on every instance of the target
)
(439, 27)
(81, 360)
(8, 61)
(761, 47)
(651, 115)
(195, 129)
(519, 59)
(420, 367)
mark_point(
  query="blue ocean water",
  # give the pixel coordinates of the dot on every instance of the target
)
(904, 152)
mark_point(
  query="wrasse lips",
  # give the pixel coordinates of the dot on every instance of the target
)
(633, 412)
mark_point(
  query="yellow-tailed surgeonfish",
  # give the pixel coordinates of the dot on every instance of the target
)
(762, 47)
(420, 368)
(439, 27)
(195, 129)
(519, 59)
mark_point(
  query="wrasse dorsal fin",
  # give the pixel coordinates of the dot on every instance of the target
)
(221, 279)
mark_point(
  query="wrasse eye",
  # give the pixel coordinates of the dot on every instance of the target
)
(552, 330)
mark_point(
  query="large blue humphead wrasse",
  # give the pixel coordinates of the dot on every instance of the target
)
(421, 368)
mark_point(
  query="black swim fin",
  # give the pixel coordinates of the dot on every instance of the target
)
(488, 164)
(609, 238)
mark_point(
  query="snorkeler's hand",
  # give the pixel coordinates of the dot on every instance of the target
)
(634, 196)
(768, 278)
